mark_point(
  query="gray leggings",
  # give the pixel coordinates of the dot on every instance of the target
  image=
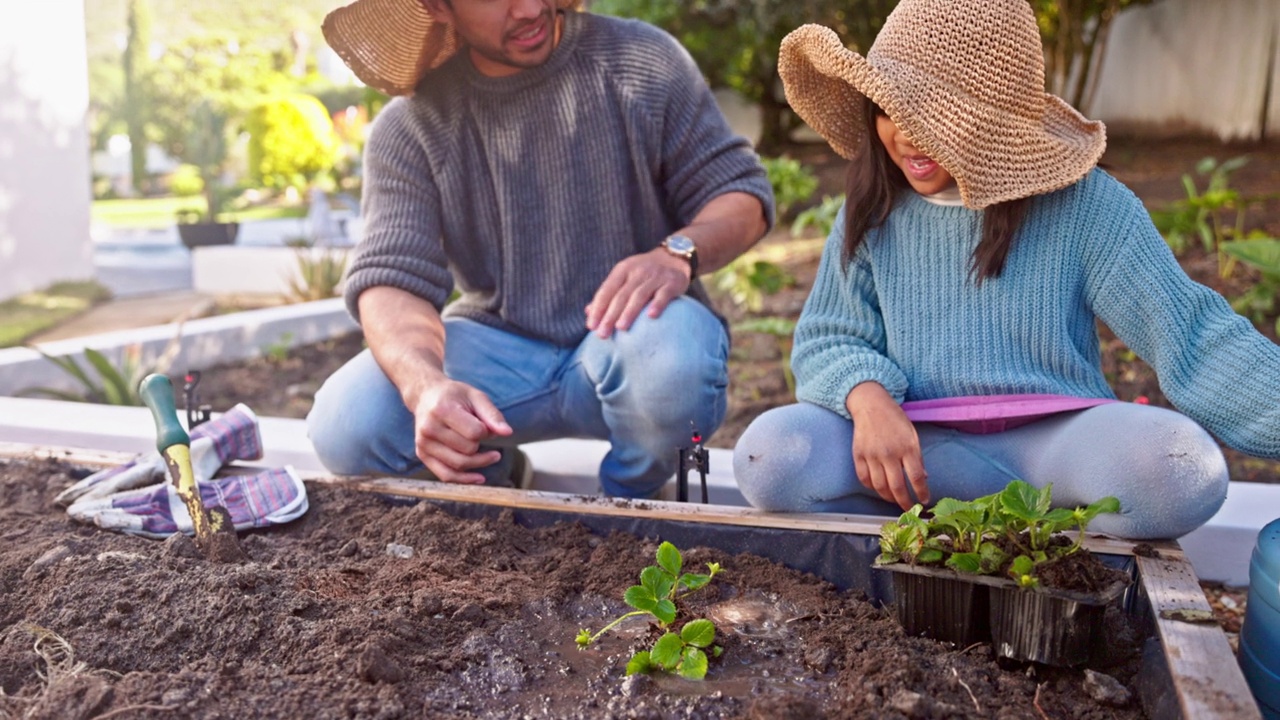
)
(1167, 472)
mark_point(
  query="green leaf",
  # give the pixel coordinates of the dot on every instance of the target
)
(1107, 504)
(669, 558)
(693, 664)
(69, 366)
(1022, 565)
(665, 611)
(992, 557)
(584, 638)
(716, 651)
(658, 581)
(666, 652)
(639, 663)
(640, 598)
(1024, 502)
(693, 581)
(713, 569)
(114, 387)
(950, 506)
(698, 633)
(929, 556)
(966, 563)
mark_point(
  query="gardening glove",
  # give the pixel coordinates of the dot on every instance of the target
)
(271, 497)
(232, 436)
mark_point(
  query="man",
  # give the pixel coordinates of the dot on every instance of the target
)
(570, 175)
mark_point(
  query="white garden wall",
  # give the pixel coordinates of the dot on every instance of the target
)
(44, 145)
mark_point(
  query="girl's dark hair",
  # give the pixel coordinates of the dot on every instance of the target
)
(872, 188)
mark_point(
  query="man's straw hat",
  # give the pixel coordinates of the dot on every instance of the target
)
(390, 44)
(964, 81)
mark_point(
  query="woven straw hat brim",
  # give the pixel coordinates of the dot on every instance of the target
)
(994, 155)
(390, 44)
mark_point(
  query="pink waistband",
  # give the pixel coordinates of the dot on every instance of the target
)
(981, 414)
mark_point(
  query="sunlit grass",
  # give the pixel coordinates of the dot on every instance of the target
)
(163, 211)
(24, 316)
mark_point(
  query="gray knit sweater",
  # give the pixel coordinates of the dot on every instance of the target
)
(526, 190)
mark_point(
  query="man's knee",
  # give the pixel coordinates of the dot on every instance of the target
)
(675, 366)
(352, 419)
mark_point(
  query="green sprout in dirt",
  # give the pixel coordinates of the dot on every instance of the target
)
(661, 586)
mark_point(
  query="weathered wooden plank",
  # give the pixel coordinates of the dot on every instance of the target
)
(1204, 671)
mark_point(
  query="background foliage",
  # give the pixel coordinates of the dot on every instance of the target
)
(291, 141)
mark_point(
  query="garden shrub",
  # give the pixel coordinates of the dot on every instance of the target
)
(291, 141)
(792, 183)
(186, 181)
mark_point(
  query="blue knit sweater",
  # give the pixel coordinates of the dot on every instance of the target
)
(906, 314)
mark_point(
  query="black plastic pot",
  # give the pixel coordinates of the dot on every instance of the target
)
(1053, 627)
(202, 234)
(940, 604)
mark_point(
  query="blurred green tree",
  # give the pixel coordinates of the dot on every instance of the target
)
(202, 90)
(137, 99)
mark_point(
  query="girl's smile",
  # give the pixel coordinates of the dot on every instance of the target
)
(924, 174)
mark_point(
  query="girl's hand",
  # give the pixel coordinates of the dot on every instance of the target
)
(886, 449)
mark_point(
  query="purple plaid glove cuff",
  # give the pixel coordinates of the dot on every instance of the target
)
(271, 497)
(235, 434)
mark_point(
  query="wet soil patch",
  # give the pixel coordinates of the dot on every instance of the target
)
(477, 621)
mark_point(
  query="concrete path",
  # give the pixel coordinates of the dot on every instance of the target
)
(131, 312)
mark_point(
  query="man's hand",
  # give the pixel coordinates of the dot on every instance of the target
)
(654, 278)
(451, 419)
(885, 445)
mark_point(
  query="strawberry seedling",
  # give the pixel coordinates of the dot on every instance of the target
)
(661, 586)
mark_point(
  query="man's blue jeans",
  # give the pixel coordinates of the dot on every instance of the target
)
(643, 390)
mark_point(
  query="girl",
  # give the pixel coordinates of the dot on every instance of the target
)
(949, 344)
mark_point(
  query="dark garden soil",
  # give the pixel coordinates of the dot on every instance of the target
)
(479, 621)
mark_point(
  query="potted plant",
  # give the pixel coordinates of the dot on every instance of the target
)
(206, 148)
(1002, 567)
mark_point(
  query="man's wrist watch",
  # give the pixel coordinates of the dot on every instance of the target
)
(682, 247)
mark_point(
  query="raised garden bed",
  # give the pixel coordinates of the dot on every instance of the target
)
(480, 620)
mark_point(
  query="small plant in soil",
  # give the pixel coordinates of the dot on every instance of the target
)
(661, 587)
(1011, 532)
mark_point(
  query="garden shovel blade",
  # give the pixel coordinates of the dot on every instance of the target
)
(215, 534)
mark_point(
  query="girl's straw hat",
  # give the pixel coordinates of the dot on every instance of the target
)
(390, 44)
(964, 81)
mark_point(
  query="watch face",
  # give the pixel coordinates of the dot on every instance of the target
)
(680, 244)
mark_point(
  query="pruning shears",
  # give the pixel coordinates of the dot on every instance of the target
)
(696, 457)
(215, 534)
